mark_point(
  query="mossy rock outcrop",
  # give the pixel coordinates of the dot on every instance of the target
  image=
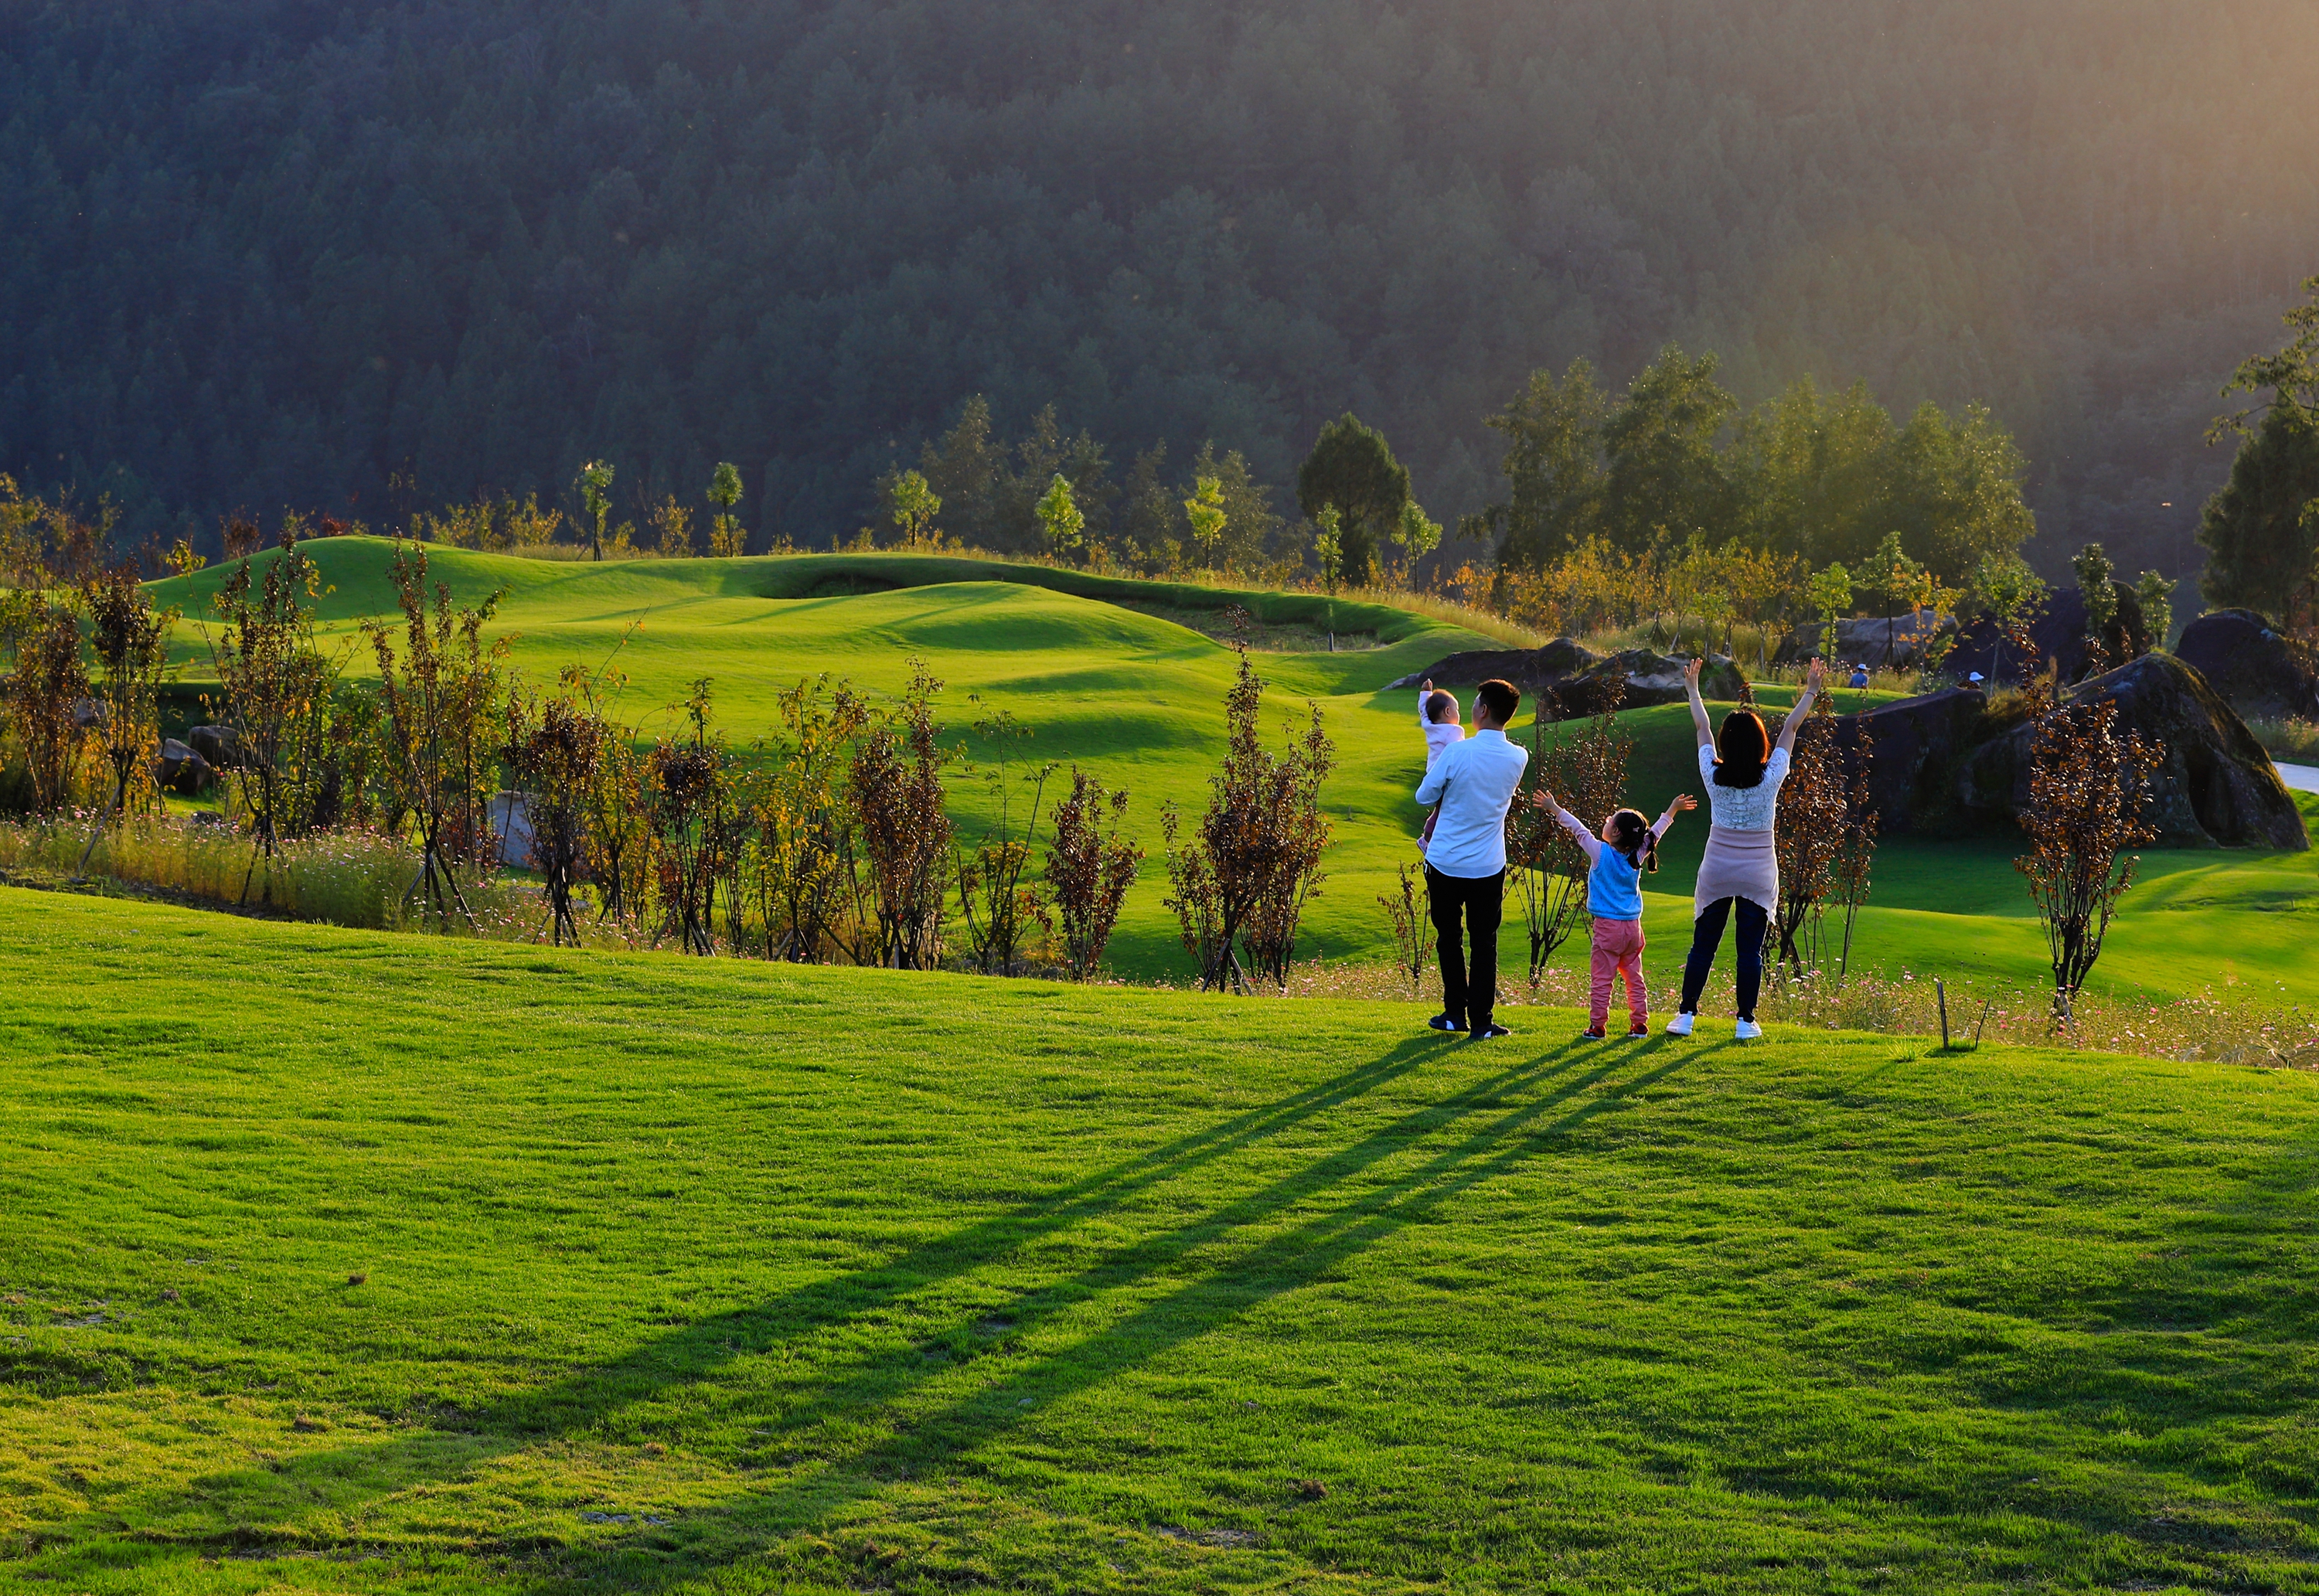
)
(1954, 762)
(2250, 664)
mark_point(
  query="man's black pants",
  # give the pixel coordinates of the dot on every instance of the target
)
(1468, 994)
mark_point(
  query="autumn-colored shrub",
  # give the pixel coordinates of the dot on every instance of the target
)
(439, 705)
(996, 908)
(2089, 795)
(1239, 885)
(1089, 869)
(904, 831)
(555, 750)
(799, 856)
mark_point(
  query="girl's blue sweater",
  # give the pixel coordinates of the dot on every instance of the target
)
(1614, 885)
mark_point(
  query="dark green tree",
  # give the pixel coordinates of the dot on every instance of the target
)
(1663, 478)
(1251, 526)
(967, 471)
(2259, 540)
(1553, 463)
(1151, 513)
(1808, 469)
(1952, 490)
(2097, 589)
(1351, 470)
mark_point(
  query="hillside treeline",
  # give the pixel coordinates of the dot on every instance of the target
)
(358, 260)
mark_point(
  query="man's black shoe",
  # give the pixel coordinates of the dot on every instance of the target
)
(1444, 1023)
(1490, 1032)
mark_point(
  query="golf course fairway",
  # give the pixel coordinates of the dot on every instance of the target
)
(1137, 697)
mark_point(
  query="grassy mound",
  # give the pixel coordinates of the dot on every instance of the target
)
(345, 1261)
(1137, 697)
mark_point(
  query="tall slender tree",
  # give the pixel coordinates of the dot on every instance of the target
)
(1351, 470)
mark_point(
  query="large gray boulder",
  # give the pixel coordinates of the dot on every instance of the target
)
(2259, 671)
(510, 813)
(219, 745)
(2059, 632)
(1876, 641)
(2216, 787)
(1527, 668)
(1913, 746)
(178, 768)
(1636, 678)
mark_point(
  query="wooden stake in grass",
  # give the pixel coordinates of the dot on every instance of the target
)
(1942, 993)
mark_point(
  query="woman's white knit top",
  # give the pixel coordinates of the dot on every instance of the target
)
(1743, 808)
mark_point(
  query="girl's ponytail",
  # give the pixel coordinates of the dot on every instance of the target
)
(1635, 840)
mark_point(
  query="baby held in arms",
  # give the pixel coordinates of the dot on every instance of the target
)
(1437, 713)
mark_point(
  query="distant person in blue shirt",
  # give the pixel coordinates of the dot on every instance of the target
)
(1474, 781)
(1627, 845)
(1859, 676)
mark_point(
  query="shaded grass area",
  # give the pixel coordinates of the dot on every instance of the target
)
(680, 1275)
(1137, 697)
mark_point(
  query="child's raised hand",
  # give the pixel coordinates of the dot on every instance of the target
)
(1691, 674)
(1542, 799)
(1427, 686)
(1816, 677)
(1682, 804)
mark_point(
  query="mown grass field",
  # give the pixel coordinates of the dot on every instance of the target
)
(343, 1261)
(1137, 697)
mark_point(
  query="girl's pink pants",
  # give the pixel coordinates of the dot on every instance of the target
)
(1618, 951)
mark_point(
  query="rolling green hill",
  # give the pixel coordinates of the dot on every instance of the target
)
(345, 1261)
(1138, 698)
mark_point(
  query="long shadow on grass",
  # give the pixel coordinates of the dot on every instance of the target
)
(355, 1479)
(1111, 1317)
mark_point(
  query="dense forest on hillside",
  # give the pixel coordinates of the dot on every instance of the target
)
(366, 258)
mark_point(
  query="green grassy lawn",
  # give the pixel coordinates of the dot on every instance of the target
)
(1137, 697)
(681, 1275)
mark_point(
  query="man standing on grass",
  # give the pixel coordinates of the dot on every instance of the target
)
(1474, 781)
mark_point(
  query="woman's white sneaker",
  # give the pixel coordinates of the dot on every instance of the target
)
(1679, 1026)
(1746, 1030)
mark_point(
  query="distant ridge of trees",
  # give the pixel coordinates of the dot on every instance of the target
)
(363, 260)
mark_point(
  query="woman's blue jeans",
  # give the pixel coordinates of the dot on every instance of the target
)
(1707, 935)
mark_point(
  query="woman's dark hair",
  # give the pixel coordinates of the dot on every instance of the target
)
(1741, 749)
(1632, 828)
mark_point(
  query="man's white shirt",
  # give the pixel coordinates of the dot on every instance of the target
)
(1474, 781)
